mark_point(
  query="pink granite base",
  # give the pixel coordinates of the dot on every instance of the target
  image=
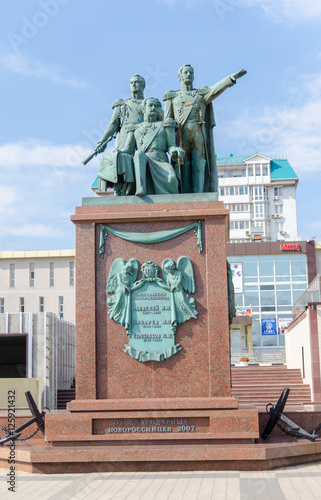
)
(202, 368)
(162, 457)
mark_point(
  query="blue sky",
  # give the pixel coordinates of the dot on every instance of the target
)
(64, 62)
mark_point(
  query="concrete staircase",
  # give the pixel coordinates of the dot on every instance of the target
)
(64, 396)
(259, 385)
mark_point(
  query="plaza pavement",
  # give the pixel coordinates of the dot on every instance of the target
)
(290, 483)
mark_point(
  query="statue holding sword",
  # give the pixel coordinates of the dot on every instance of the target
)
(116, 168)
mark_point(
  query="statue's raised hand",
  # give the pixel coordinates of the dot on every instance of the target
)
(239, 74)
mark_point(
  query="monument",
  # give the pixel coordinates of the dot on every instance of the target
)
(153, 388)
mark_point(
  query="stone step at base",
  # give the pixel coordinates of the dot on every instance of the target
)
(265, 455)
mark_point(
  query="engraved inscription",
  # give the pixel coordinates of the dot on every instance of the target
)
(151, 425)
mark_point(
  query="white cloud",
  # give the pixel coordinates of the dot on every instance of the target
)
(33, 230)
(32, 153)
(295, 10)
(292, 131)
(8, 198)
(20, 65)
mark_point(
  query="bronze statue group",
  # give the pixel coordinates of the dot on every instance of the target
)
(162, 152)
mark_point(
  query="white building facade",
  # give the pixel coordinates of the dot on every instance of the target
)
(261, 196)
(38, 281)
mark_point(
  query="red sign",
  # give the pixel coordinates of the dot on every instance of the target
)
(294, 247)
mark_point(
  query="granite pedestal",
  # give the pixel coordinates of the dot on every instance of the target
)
(184, 399)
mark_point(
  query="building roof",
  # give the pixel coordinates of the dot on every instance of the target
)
(33, 254)
(281, 169)
(231, 160)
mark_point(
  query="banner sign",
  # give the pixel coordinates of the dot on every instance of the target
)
(243, 310)
(283, 324)
(237, 277)
(269, 326)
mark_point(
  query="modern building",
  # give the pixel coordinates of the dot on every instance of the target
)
(38, 281)
(269, 277)
(37, 354)
(260, 193)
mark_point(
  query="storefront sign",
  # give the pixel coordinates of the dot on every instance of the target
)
(283, 324)
(243, 310)
(237, 277)
(293, 247)
(269, 326)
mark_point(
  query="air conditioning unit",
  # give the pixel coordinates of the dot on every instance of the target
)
(282, 232)
(275, 198)
(248, 233)
(276, 216)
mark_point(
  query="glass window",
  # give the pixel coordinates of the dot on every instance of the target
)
(71, 273)
(258, 193)
(283, 298)
(251, 298)
(251, 171)
(239, 299)
(31, 275)
(299, 286)
(257, 170)
(279, 209)
(267, 287)
(267, 308)
(270, 340)
(279, 226)
(2, 305)
(278, 191)
(22, 304)
(61, 307)
(265, 170)
(12, 275)
(298, 267)
(285, 308)
(52, 274)
(282, 267)
(267, 298)
(41, 304)
(297, 294)
(266, 268)
(231, 191)
(283, 287)
(259, 211)
(256, 330)
(249, 267)
(235, 259)
(222, 191)
(251, 287)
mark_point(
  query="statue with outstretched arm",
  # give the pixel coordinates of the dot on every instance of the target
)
(193, 110)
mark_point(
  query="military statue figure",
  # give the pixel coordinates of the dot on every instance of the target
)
(114, 169)
(152, 139)
(193, 111)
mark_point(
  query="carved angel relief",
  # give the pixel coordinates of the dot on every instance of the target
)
(151, 308)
